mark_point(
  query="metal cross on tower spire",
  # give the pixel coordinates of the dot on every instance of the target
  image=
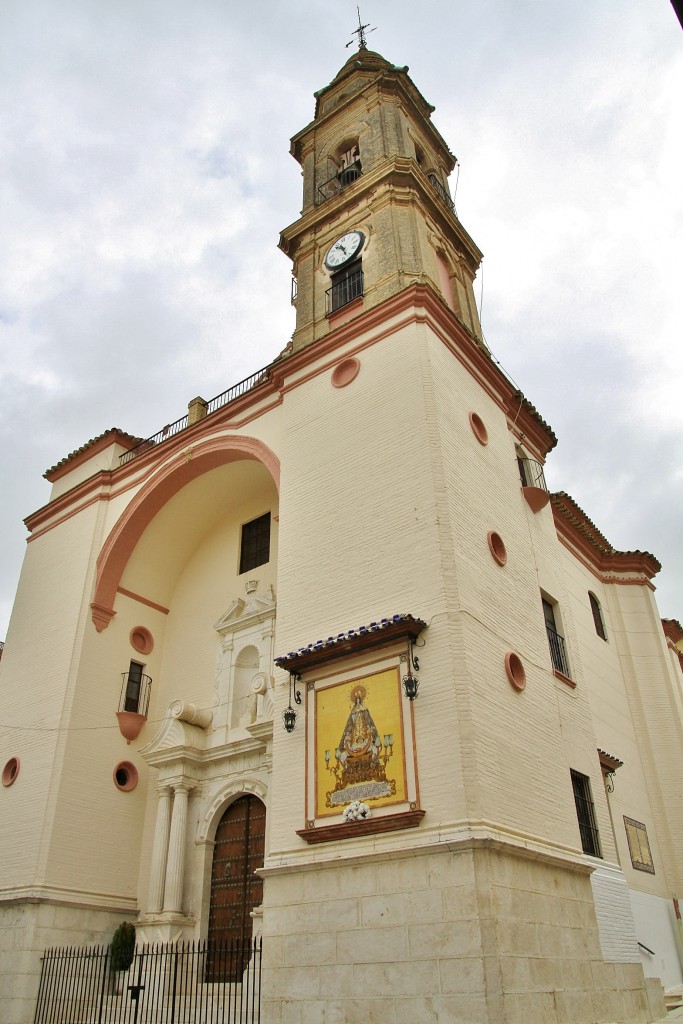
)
(361, 33)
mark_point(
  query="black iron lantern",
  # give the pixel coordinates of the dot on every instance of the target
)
(289, 714)
(289, 718)
(411, 684)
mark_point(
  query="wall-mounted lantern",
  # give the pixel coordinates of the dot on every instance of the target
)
(289, 714)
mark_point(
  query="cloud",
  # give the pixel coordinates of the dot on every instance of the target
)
(144, 177)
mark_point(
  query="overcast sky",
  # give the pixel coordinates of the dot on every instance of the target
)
(145, 175)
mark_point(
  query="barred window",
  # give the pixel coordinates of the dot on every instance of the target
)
(585, 813)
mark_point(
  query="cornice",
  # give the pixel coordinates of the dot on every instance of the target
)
(353, 641)
(82, 495)
(422, 305)
(418, 300)
(673, 630)
(525, 421)
(96, 444)
(574, 526)
(399, 172)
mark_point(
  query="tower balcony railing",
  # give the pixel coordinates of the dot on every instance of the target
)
(344, 291)
(339, 180)
(442, 192)
(558, 651)
(171, 429)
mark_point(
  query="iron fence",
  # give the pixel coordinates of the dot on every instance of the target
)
(187, 983)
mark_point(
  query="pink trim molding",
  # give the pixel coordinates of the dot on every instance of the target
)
(101, 616)
(536, 498)
(130, 724)
(170, 479)
(143, 600)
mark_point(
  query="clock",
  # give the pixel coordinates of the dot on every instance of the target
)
(344, 249)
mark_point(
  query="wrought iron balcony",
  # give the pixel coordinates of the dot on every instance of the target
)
(343, 291)
(442, 192)
(558, 652)
(339, 180)
(136, 690)
(531, 473)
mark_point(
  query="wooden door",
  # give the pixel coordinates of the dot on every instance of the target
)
(235, 889)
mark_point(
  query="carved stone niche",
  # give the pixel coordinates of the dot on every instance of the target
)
(244, 656)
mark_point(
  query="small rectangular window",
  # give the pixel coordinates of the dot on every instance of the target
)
(585, 813)
(255, 543)
(639, 846)
(133, 687)
(597, 616)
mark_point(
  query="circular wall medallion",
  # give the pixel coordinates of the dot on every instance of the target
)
(478, 428)
(497, 547)
(10, 771)
(515, 670)
(142, 640)
(125, 776)
(345, 372)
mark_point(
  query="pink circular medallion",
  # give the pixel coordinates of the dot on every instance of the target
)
(345, 372)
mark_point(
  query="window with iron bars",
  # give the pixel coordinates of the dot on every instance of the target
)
(558, 650)
(585, 813)
(347, 285)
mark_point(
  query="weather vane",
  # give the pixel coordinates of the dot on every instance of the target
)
(360, 32)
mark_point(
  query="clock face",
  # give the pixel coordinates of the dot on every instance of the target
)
(344, 249)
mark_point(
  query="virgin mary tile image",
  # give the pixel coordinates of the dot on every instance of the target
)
(359, 743)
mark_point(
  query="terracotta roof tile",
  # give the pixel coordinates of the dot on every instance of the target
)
(117, 435)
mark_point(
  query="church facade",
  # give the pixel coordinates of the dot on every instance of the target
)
(325, 662)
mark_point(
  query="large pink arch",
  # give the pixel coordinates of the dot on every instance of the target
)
(185, 466)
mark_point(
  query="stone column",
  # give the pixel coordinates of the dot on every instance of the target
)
(175, 865)
(160, 851)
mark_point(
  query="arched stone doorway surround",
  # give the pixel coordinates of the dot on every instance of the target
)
(171, 478)
(229, 792)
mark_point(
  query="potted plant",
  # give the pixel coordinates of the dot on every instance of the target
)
(122, 949)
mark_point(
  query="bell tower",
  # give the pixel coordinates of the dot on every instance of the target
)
(377, 212)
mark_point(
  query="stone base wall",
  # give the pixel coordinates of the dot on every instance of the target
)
(477, 936)
(26, 931)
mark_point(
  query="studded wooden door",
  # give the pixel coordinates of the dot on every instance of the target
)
(235, 889)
